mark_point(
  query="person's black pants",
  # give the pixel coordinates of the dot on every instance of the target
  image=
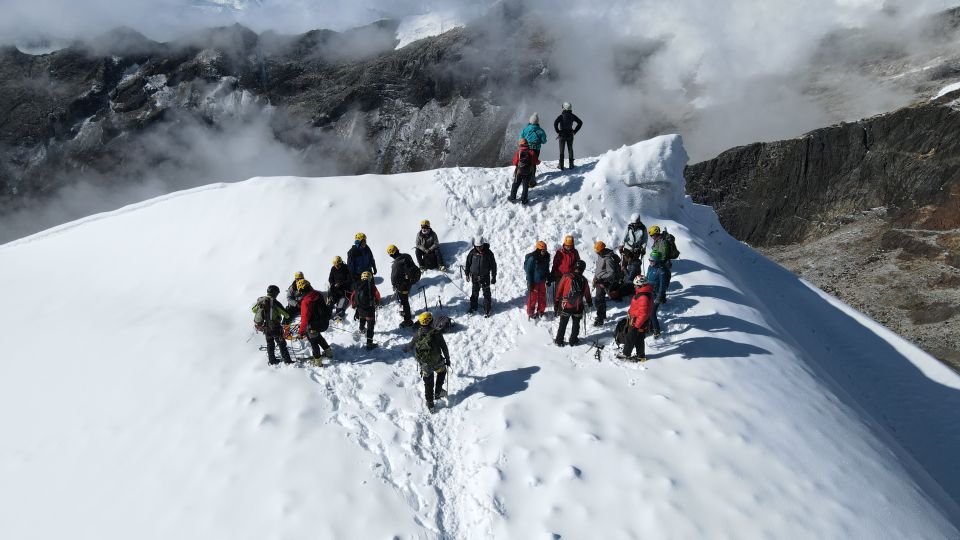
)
(634, 340)
(366, 323)
(274, 341)
(480, 283)
(600, 300)
(518, 180)
(433, 385)
(317, 343)
(574, 331)
(404, 297)
(569, 143)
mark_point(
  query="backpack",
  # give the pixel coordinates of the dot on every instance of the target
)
(364, 298)
(620, 334)
(524, 163)
(574, 298)
(321, 313)
(264, 311)
(413, 272)
(423, 349)
(672, 251)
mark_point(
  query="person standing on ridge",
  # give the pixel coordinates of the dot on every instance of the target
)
(564, 261)
(340, 284)
(534, 135)
(573, 292)
(314, 319)
(536, 266)
(481, 270)
(634, 247)
(433, 357)
(606, 276)
(269, 317)
(403, 275)
(524, 169)
(638, 321)
(564, 126)
(656, 276)
(360, 258)
(365, 301)
(293, 296)
(428, 252)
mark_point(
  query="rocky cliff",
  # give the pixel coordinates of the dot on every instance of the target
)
(868, 210)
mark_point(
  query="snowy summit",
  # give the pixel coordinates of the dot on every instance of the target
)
(136, 404)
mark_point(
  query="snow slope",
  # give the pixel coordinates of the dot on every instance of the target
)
(132, 406)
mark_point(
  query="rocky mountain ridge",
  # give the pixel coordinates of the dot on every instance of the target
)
(868, 211)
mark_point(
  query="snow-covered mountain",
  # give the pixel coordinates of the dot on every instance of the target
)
(134, 405)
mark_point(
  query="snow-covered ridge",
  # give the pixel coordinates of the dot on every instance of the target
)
(153, 418)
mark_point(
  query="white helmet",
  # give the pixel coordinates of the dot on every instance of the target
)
(639, 280)
(534, 118)
(567, 106)
(478, 241)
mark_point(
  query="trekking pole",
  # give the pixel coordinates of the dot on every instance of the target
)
(440, 303)
(424, 293)
(251, 335)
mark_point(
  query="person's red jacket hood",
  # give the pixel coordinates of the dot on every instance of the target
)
(641, 306)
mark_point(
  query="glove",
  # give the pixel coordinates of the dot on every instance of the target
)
(468, 278)
(258, 327)
(356, 316)
(374, 270)
(493, 281)
(300, 335)
(446, 362)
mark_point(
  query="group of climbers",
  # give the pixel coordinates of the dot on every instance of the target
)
(349, 283)
(532, 138)
(614, 276)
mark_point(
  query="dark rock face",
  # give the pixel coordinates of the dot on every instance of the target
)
(348, 103)
(782, 192)
(868, 211)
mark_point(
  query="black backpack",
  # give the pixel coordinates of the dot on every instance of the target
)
(413, 271)
(672, 251)
(321, 313)
(365, 294)
(524, 163)
(620, 334)
(574, 298)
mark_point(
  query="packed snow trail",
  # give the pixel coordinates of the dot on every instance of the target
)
(153, 418)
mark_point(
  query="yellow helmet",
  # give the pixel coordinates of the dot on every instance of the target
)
(303, 285)
(298, 275)
(337, 261)
(425, 318)
(425, 223)
(568, 241)
(541, 244)
(365, 276)
(360, 236)
(599, 246)
(654, 230)
(392, 250)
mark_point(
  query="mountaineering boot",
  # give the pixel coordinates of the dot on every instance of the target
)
(407, 323)
(656, 334)
(559, 342)
(574, 341)
(598, 321)
(317, 361)
(440, 394)
(272, 361)
(640, 358)
(431, 407)
(511, 199)
(328, 352)
(371, 345)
